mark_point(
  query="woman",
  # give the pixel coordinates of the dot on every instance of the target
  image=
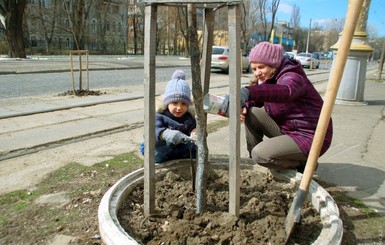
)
(280, 110)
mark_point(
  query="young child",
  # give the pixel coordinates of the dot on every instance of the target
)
(175, 122)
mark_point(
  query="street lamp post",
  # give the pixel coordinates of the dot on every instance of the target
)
(352, 86)
(308, 38)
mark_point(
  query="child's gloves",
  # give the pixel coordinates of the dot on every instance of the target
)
(245, 94)
(175, 137)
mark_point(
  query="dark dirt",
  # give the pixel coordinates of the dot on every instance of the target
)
(264, 203)
(82, 92)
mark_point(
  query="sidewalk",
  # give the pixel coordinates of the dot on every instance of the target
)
(356, 159)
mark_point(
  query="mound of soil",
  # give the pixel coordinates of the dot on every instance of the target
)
(264, 203)
(82, 92)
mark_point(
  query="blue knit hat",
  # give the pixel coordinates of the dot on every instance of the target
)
(177, 90)
(178, 74)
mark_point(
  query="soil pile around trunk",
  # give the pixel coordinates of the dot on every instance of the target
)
(264, 203)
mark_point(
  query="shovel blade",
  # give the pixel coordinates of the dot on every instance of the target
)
(294, 214)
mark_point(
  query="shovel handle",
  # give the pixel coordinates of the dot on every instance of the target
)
(353, 12)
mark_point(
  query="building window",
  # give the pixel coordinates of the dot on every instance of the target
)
(44, 3)
(115, 9)
(68, 43)
(93, 25)
(67, 5)
(33, 41)
(114, 26)
(47, 18)
(67, 23)
(108, 26)
(119, 27)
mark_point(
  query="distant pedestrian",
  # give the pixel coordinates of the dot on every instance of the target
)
(175, 122)
(280, 110)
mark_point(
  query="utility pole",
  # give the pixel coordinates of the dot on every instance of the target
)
(308, 38)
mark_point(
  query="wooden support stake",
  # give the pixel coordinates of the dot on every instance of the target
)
(208, 40)
(88, 73)
(80, 53)
(72, 73)
(234, 126)
(149, 107)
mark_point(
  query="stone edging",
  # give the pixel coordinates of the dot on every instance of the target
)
(112, 233)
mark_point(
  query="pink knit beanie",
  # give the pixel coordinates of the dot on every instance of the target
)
(267, 53)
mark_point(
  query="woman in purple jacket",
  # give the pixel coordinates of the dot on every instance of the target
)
(280, 110)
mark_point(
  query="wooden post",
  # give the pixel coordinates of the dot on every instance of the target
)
(208, 40)
(80, 72)
(72, 73)
(88, 73)
(234, 126)
(149, 107)
(79, 53)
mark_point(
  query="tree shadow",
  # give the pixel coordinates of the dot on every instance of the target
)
(361, 182)
(375, 102)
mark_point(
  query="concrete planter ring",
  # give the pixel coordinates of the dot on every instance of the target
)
(112, 232)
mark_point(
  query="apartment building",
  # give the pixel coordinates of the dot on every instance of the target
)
(57, 26)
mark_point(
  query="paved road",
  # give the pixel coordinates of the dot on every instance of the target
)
(52, 76)
(20, 85)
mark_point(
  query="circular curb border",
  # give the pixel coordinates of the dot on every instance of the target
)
(112, 233)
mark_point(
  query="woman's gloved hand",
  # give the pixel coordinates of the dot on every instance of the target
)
(175, 137)
(245, 94)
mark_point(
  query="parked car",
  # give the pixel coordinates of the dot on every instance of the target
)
(290, 55)
(321, 55)
(308, 60)
(220, 59)
(329, 55)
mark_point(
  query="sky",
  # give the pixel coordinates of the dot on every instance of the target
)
(325, 11)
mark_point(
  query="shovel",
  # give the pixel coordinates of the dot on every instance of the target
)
(294, 214)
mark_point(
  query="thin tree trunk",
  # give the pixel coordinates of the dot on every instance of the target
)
(381, 64)
(198, 100)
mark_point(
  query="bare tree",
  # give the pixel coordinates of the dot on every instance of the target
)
(317, 39)
(48, 22)
(104, 25)
(262, 24)
(295, 21)
(77, 12)
(136, 13)
(166, 26)
(274, 9)
(262, 10)
(381, 63)
(13, 12)
(183, 30)
(247, 25)
(334, 27)
(295, 18)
